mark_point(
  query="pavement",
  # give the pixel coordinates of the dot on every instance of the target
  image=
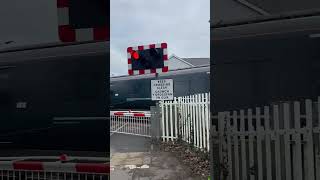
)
(135, 158)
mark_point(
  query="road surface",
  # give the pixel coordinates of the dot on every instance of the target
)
(133, 158)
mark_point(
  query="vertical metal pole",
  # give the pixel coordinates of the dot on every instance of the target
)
(155, 118)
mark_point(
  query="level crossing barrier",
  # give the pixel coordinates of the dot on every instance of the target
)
(54, 168)
(131, 122)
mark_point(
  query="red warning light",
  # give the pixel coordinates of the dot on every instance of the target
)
(135, 55)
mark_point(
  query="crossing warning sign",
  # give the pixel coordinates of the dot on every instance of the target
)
(162, 89)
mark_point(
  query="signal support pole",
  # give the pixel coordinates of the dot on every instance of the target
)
(155, 123)
(155, 120)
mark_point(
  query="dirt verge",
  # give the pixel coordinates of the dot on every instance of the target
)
(196, 160)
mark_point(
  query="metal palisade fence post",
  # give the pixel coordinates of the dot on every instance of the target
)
(187, 118)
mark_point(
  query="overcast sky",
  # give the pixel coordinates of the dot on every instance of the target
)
(183, 24)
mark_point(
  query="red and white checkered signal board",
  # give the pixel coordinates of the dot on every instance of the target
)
(164, 69)
(67, 33)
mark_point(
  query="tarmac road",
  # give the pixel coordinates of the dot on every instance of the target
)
(133, 158)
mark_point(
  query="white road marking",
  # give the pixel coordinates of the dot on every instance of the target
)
(130, 166)
(144, 166)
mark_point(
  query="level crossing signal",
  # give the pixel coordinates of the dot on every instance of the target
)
(148, 59)
(83, 20)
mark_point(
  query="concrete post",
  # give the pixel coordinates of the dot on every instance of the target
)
(155, 122)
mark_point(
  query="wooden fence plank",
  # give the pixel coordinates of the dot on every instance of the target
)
(259, 143)
(236, 145)
(229, 140)
(268, 142)
(287, 143)
(277, 150)
(297, 146)
(251, 150)
(222, 138)
(243, 145)
(309, 154)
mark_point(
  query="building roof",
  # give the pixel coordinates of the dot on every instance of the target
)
(285, 6)
(197, 61)
(253, 11)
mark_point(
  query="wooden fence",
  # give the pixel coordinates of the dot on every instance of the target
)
(276, 142)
